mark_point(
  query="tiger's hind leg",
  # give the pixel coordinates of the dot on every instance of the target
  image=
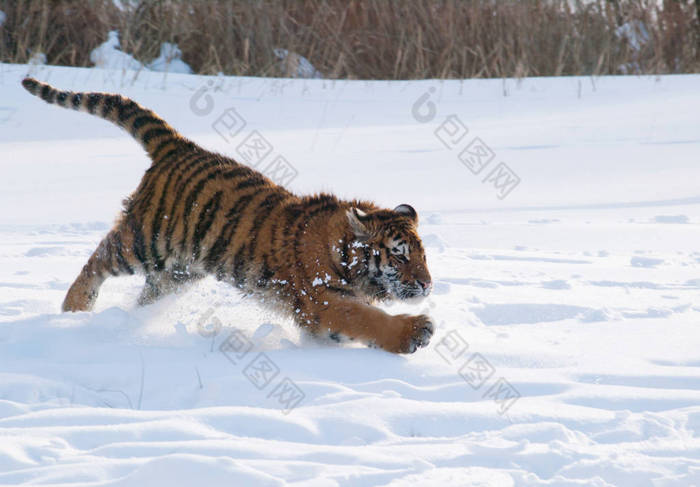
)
(112, 257)
(160, 284)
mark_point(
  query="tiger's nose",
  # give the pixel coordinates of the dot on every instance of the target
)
(425, 285)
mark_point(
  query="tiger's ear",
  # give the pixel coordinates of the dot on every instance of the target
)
(407, 210)
(356, 218)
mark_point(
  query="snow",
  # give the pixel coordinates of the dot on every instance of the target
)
(566, 351)
(295, 65)
(108, 55)
(170, 60)
(635, 33)
(37, 59)
(671, 219)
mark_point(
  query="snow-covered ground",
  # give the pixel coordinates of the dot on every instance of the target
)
(568, 342)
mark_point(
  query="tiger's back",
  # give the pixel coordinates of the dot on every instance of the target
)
(196, 213)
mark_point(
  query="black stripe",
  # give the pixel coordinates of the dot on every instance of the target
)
(238, 171)
(167, 156)
(340, 290)
(189, 204)
(77, 97)
(185, 146)
(139, 245)
(127, 109)
(237, 271)
(206, 217)
(45, 92)
(121, 261)
(247, 184)
(298, 305)
(180, 184)
(158, 261)
(193, 194)
(344, 257)
(159, 216)
(343, 270)
(233, 217)
(30, 84)
(253, 180)
(93, 100)
(199, 187)
(319, 207)
(111, 102)
(261, 214)
(292, 214)
(302, 209)
(155, 153)
(153, 133)
(365, 263)
(273, 232)
(313, 211)
(61, 98)
(142, 120)
(110, 250)
(178, 188)
(265, 275)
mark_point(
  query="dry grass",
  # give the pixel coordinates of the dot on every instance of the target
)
(368, 39)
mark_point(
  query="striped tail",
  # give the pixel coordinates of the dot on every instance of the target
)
(154, 134)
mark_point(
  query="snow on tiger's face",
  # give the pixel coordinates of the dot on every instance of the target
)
(396, 263)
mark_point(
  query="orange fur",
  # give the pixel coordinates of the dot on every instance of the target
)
(321, 260)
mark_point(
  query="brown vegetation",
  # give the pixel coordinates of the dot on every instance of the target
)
(369, 39)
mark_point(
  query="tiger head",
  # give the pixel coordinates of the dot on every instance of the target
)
(395, 265)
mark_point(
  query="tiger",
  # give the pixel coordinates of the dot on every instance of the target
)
(323, 261)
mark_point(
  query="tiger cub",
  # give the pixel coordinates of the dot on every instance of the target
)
(322, 260)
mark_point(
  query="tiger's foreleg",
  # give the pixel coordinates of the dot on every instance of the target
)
(160, 284)
(112, 257)
(358, 321)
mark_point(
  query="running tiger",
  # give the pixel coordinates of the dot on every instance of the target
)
(320, 260)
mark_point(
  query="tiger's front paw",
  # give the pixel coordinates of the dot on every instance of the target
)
(78, 299)
(417, 332)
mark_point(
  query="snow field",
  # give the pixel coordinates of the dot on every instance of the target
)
(579, 289)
